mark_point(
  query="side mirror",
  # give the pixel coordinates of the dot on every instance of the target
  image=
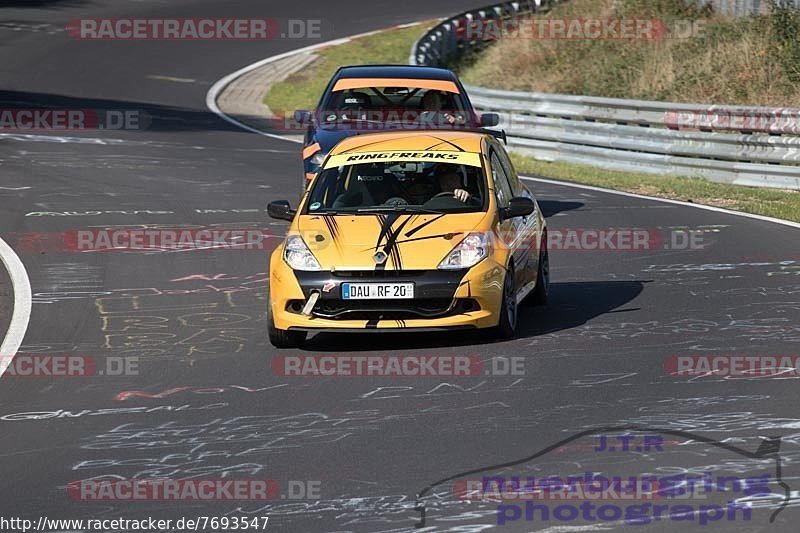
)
(489, 120)
(519, 206)
(301, 116)
(281, 210)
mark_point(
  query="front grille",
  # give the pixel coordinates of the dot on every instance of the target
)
(387, 309)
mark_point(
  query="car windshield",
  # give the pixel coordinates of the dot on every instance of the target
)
(394, 104)
(406, 186)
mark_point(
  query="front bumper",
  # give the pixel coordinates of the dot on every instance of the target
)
(443, 300)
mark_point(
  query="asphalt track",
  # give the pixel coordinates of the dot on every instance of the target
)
(206, 404)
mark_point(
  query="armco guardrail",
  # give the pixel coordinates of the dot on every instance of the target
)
(757, 146)
(742, 145)
(447, 39)
(741, 8)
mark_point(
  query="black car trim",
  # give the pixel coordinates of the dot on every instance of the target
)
(427, 283)
(426, 329)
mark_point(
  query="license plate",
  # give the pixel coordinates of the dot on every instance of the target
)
(377, 291)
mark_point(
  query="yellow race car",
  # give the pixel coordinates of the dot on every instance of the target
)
(408, 231)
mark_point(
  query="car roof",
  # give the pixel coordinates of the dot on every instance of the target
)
(396, 71)
(460, 141)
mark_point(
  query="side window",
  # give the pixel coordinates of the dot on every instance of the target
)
(516, 185)
(501, 187)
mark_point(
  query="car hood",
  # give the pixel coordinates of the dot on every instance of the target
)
(410, 241)
(329, 135)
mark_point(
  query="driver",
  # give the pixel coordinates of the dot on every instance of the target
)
(451, 182)
(432, 103)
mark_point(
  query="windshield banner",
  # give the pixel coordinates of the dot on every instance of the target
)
(397, 156)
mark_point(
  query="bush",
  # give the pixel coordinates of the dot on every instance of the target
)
(786, 28)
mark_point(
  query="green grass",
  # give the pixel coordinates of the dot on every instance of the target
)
(757, 200)
(744, 60)
(303, 89)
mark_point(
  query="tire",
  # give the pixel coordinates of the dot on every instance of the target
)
(541, 292)
(281, 338)
(509, 313)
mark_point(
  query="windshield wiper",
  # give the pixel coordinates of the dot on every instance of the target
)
(402, 208)
(347, 120)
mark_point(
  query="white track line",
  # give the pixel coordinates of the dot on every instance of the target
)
(216, 89)
(22, 305)
(667, 201)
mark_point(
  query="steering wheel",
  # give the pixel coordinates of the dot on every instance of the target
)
(396, 201)
(470, 199)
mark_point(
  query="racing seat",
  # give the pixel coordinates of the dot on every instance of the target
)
(368, 185)
(354, 105)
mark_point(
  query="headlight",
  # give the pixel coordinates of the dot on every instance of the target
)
(469, 252)
(298, 256)
(317, 159)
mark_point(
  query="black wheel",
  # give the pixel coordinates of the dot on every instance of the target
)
(507, 326)
(542, 290)
(281, 338)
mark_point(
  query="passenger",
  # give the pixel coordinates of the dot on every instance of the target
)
(379, 185)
